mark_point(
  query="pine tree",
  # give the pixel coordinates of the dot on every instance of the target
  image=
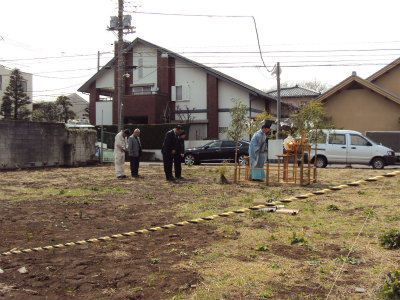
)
(15, 99)
(66, 113)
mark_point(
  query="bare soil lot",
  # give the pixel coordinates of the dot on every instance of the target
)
(250, 256)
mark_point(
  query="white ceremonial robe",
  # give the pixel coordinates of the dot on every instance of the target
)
(120, 146)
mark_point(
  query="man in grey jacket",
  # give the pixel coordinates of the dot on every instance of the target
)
(135, 152)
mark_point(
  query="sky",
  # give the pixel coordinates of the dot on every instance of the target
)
(314, 40)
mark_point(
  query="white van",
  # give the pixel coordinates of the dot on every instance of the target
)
(350, 147)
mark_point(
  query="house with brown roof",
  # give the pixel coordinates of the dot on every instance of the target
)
(371, 104)
(162, 85)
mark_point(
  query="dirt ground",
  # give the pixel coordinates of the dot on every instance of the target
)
(56, 205)
(116, 269)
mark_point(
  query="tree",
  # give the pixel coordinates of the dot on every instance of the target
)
(315, 85)
(87, 112)
(6, 107)
(238, 126)
(64, 103)
(185, 114)
(310, 120)
(260, 119)
(15, 98)
(46, 112)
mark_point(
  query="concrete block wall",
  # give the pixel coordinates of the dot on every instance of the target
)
(25, 144)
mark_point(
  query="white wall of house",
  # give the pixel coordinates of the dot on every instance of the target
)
(104, 110)
(145, 58)
(227, 92)
(106, 80)
(198, 131)
(194, 89)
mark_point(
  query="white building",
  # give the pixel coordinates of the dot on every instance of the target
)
(162, 86)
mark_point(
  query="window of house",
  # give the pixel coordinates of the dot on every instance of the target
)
(337, 139)
(179, 93)
(141, 90)
(222, 129)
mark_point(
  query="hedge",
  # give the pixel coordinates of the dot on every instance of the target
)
(151, 135)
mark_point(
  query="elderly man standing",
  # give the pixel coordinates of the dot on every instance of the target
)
(120, 147)
(135, 152)
(258, 152)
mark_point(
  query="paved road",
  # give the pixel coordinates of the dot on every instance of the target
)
(338, 166)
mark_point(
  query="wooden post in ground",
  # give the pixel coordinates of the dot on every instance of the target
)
(236, 164)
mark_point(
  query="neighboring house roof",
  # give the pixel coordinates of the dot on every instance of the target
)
(78, 104)
(384, 70)
(252, 90)
(294, 92)
(355, 79)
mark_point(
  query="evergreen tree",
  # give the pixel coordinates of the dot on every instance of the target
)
(15, 99)
(66, 113)
(46, 112)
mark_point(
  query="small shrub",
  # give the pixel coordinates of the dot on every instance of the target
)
(275, 266)
(332, 207)
(295, 239)
(370, 213)
(351, 260)
(395, 218)
(155, 260)
(391, 239)
(391, 288)
(262, 247)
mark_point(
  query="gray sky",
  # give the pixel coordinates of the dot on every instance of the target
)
(58, 41)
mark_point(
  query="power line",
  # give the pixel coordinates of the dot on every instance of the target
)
(53, 57)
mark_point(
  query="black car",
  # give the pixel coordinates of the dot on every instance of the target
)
(217, 151)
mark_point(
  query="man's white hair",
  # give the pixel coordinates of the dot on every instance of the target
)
(136, 130)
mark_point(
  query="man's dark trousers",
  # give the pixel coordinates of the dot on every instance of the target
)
(178, 166)
(168, 160)
(134, 165)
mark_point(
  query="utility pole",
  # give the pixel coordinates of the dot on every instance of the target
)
(278, 108)
(98, 61)
(120, 24)
(121, 65)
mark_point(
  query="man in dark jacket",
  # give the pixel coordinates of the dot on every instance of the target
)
(179, 156)
(135, 152)
(170, 147)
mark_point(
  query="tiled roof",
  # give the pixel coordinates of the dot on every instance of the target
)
(293, 92)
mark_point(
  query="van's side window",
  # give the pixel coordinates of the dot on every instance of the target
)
(358, 140)
(337, 139)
